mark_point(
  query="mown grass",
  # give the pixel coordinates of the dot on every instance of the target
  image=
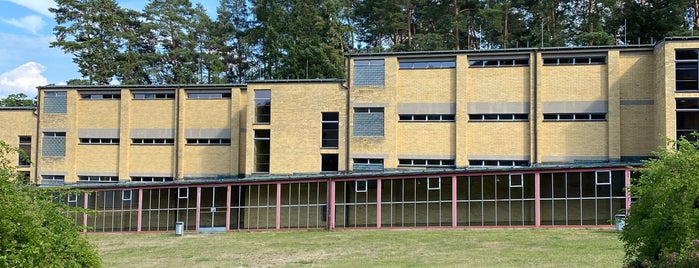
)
(412, 248)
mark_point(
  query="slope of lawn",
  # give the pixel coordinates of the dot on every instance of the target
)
(387, 248)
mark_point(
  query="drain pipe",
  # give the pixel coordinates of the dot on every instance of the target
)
(347, 115)
(534, 104)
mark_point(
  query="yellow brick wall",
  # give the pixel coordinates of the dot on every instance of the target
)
(636, 83)
(573, 83)
(585, 139)
(295, 128)
(497, 84)
(98, 113)
(97, 158)
(152, 113)
(208, 160)
(426, 138)
(151, 159)
(426, 86)
(207, 113)
(19, 123)
(498, 138)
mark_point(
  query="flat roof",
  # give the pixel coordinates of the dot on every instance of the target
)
(142, 87)
(18, 108)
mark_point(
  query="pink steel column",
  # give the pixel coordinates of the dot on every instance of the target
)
(537, 199)
(278, 224)
(627, 183)
(378, 203)
(85, 196)
(331, 206)
(453, 202)
(140, 210)
(228, 207)
(198, 210)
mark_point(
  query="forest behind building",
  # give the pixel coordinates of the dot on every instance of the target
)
(177, 42)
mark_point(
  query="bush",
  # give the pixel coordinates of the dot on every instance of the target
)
(34, 230)
(664, 223)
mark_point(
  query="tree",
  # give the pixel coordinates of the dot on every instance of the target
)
(35, 231)
(662, 226)
(229, 42)
(17, 100)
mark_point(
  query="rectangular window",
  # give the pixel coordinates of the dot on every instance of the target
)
(686, 70)
(208, 95)
(687, 118)
(572, 60)
(208, 141)
(498, 163)
(153, 96)
(576, 117)
(151, 179)
(328, 162)
(498, 117)
(55, 102)
(126, 195)
(25, 145)
(429, 163)
(369, 72)
(426, 118)
(262, 150)
(263, 106)
(516, 180)
(152, 141)
(52, 179)
(112, 179)
(434, 183)
(427, 63)
(182, 193)
(330, 129)
(99, 141)
(367, 164)
(368, 122)
(101, 96)
(603, 177)
(504, 62)
(54, 144)
(361, 186)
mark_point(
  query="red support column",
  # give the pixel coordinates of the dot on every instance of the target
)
(378, 203)
(278, 217)
(537, 199)
(453, 202)
(331, 206)
(198, 209)
(228, 207)
(85, 196)
(627, 183)
(140, 210)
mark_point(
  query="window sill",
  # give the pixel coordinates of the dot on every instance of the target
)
(576, 121)
(222, 144)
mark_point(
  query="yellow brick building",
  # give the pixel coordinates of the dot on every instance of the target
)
(535, 136)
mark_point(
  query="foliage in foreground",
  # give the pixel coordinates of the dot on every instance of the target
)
(34, 231)
(663, 225)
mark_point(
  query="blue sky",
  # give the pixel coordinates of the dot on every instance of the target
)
(26, 60)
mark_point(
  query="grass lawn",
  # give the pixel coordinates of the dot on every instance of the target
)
(387, 248)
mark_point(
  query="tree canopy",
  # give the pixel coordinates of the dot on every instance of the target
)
(17, 100)
(174, 41)
(662, 227)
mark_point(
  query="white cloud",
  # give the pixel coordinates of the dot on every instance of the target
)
(23, 79)
(32, 23)
(40, 6)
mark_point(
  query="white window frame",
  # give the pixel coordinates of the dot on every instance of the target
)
(609, 177)
(431, 187)
(364, 184)
(521, 180)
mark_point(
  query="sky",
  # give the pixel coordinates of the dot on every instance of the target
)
(26, 60)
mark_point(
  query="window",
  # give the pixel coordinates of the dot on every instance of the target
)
(497, 117)
(426, 118)
(151, 179)
(328, 162)
(687, 118)
(126, 195)
(54, 144)
(434, 183)
(686, 70)
(55, 102)
(603, 177)
(369, 72)
(480, 63)
(113, 179)
(208, 141)
(368, 122)
(52, 179)
(25, 145)
(153, 96)
(99, 141)
(263, 106)
(330, 128)
(152, 141)
(573, 60)
(101, 96)
(430, 163)
(208, 95)
(361, 186)
(498, 163)
(575, 117)
(368, 164)
(262, 150)
(516, 180)
(182, 193)
(434, 63)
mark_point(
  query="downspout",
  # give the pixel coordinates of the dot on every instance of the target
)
(535, 138)
(347, 116)
(36, 139)
(176, 169)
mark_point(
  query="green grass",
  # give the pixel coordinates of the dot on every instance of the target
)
(388, 248)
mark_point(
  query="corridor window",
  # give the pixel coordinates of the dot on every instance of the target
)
(576, 117)
(25, 145)
(152, 141)
(100, 96)
(208, 141)
(686, 70)
(430, 163)
(209, 96)
(426, 118)
(497, 117)
(429, 63)
(368, 164)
